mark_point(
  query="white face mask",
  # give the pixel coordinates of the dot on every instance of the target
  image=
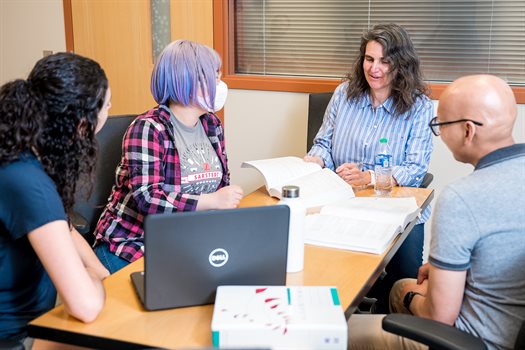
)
(221, 92)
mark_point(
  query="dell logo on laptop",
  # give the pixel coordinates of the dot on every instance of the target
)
(218, 257)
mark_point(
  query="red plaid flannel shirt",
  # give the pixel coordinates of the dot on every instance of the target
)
(148, 180)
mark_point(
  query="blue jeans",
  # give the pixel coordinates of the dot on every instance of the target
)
(404, 264)
(112, 262)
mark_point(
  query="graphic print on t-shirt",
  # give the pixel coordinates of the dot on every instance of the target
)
(201, 169)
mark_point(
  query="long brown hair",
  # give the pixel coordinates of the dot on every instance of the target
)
(407, 80)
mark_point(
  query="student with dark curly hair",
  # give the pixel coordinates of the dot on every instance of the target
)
(384, 96)
(47, 146)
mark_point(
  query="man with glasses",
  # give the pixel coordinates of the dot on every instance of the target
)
(474, 279)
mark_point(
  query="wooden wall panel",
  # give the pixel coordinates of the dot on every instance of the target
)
(117, 34)
(193, 20)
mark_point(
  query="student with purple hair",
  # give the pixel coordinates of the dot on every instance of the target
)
(173, 156)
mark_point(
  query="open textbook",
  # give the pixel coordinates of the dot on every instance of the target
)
(367, 224)
(318, 186)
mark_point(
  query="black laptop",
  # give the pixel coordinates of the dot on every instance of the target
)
(189, 254)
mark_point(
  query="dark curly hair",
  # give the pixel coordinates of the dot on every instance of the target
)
(407, 80)
(54, 114)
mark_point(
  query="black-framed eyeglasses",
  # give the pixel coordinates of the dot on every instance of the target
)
(434, 125)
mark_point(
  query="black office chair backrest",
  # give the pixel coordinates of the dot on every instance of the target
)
(317, 104)
(109, 155)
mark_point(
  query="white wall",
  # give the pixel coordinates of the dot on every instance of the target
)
(263, 124)
(27, 28)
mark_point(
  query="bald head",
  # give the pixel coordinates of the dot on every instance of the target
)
(486, 99)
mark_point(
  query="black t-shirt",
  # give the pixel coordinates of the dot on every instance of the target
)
(28, 200)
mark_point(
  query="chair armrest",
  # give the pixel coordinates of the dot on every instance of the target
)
(6, 344)
(80, 223)
(436, 335)
(427, 180)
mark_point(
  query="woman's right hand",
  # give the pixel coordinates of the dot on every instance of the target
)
(314, 159)
(227, 197)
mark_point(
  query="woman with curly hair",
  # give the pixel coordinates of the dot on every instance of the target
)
(384, 96)
(47, 144)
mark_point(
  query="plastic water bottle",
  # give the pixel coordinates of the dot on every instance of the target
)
(295, 259)
(383, 169)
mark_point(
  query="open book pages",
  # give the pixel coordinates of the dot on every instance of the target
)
(367, 224)
(317, 186)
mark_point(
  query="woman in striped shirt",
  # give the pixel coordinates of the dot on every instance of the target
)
(384, 96)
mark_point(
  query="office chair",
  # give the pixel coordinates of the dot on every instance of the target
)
(438, 336)
(6, 344)
(87, 211)
(317, 104)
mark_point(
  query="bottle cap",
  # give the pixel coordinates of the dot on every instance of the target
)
(383, 140)
(290, 191)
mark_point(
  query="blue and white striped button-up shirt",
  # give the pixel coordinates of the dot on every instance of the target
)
(351, 131)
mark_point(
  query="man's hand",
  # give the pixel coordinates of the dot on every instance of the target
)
(422, 273)
(411, 286)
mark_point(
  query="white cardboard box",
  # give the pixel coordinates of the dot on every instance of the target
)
(279, 317)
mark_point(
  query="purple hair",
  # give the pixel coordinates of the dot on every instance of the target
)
(181, 69)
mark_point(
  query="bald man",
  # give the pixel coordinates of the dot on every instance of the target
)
(475, 277)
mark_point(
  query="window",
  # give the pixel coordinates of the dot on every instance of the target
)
(317, 40)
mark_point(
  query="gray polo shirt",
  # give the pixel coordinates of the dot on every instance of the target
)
(479, 226)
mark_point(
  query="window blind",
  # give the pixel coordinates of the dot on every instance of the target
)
(320, 38)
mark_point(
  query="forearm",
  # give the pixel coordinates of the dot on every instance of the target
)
(89, 310)
(321, 150)
(157, 201)
(442, 300)
(206, 202)
(88, 257)
(422, 306)
(79, 286)
(97, 282)
(409, 175)
(417, 149)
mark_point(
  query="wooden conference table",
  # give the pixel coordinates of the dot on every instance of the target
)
(124, 324)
